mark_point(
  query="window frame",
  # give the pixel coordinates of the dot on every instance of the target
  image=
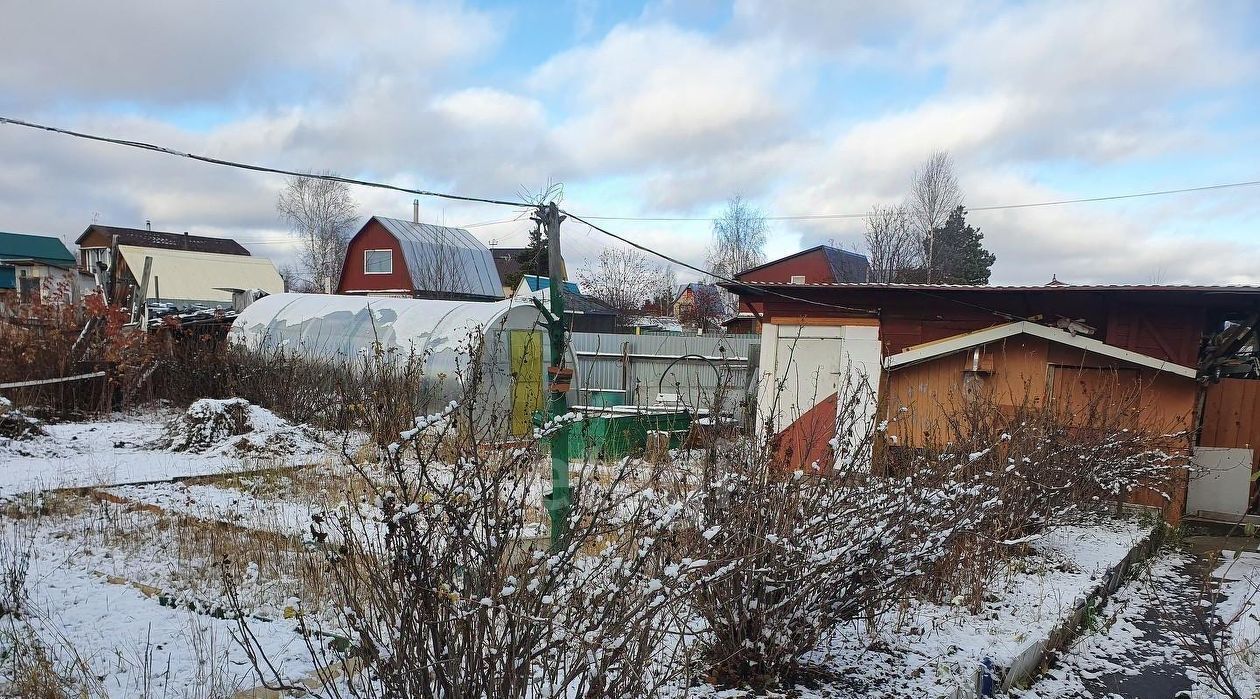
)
(391, 260)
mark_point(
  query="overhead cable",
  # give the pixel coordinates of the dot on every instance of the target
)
(258, 168)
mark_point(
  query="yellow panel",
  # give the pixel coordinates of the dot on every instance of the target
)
(527, 378)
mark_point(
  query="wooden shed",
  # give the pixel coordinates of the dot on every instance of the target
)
(926, 346)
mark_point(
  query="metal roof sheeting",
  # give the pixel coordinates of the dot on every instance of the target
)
(445, 259)
(200, 276)
(41, 248)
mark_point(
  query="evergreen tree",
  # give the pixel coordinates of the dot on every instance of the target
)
(534, 259)
(960, 254)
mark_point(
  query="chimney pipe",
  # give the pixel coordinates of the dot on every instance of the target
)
(415, 211)
(148, 226)
(185, 240)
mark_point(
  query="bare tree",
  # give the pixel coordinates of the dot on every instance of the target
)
(739, 241)
(664, 288)
(890, 244)
(322, 213)
(934, 193)
(706, 309)
(622, 279)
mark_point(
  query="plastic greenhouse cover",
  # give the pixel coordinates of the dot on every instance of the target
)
(343, 327)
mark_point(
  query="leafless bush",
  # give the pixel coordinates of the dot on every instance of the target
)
(16, 548)
(1031, 466)
(1221, 638)
(807, 550)
(447, 587)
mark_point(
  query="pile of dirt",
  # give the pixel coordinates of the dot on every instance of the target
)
(16, 425)
(236, 427)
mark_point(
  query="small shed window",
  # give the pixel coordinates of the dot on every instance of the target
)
(378, 262)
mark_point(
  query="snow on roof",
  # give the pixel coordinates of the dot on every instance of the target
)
(184, 275)
(467, 266)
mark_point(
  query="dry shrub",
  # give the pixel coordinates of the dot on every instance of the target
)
(43, 341)
(1033, 466)
(808, 550)
(447, 587)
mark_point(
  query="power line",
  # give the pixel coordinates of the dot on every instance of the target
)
(715, 275)
(256, 168)
(499, 202)
(995, 207)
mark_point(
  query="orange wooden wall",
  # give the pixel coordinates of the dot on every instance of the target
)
(1231, 416)
(1028, 367)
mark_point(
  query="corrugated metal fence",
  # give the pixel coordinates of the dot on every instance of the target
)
(640, 367)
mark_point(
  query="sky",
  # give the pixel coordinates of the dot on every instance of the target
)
(662, 109)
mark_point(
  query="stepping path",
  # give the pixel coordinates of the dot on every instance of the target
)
(1135, 652)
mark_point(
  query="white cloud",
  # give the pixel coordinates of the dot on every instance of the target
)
(658, 95)
(219, 53)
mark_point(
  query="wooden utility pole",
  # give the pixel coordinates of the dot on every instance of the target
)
(559, 377)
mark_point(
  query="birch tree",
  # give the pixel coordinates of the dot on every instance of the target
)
(934, 193)
(322, 213)
(739, 242)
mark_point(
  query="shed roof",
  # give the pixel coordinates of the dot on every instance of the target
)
(535, 282)
(201, 276)
(144, 238)
(41, 248)
(1052, 288)
(845, 266)
(445, 259)
(932, 350)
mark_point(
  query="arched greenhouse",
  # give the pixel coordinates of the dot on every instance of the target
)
(352, 329)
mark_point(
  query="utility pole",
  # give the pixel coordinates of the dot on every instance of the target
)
(559, 377)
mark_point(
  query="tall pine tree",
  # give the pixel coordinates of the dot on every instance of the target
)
(960, 254)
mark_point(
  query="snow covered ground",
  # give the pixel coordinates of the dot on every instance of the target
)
(122, 449)
(930, 649)
(99, 569)
(135, 646)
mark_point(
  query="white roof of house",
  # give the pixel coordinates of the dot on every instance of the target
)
(448, 258)
(931, 350)
(184, 275)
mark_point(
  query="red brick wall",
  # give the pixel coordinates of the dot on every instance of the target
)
(373, 236)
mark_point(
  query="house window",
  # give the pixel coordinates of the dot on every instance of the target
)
(378, 261)
(798, 278)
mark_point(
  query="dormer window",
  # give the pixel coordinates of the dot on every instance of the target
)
(378, 261)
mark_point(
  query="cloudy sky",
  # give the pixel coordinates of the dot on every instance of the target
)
(663, 109)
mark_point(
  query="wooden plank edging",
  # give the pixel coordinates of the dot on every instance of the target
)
(1037, 655)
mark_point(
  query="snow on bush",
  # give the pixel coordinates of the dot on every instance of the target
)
(237, 427)
(447, 586)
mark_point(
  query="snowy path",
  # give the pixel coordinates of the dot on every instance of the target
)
(1135, 652)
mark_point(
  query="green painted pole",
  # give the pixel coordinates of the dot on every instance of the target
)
(557, 503)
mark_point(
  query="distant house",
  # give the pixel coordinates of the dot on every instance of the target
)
(531, 282)
(821, 264)
(392, 257)
(585, 314)
(188, 277)
(699, 304)
(39, 268)
(507, 262)
(97, 242)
